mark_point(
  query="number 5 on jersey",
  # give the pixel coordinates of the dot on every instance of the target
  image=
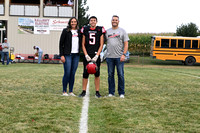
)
(92, 40)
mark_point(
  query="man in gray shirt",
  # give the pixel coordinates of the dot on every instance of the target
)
(5, 51)
(117, 46)
(39, 53)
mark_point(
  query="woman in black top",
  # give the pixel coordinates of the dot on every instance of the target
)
(70, 44)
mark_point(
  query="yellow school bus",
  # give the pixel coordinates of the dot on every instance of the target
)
(185, 49)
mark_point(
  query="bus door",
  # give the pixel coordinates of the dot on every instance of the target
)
(152, 46)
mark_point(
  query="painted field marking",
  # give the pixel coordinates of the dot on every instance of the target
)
(190, 75)
(83, 128)
(186, 74)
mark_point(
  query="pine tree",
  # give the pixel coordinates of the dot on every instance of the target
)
(188, 30)
(83, 18)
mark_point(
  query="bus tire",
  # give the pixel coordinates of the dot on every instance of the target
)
(189, 61)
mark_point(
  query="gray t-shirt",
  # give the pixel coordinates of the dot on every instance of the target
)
(115, 42)
(5, 47)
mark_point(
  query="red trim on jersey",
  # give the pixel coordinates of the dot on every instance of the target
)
(103, 30)
(82, 30)
(92, 28)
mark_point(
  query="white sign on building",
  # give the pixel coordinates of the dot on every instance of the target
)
(58, 24)
(41, 26)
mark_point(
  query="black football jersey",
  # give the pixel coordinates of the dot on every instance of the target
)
(92, 38)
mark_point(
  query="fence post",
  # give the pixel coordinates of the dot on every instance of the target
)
(142, 57)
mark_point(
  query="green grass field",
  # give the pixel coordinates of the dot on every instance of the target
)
(160, 97)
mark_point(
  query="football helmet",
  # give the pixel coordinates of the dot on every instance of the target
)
(91, 68)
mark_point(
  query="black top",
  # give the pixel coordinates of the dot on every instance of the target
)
(92, 38)
(65, 44)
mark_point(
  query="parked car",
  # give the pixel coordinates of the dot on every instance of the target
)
(104, 51)
(127, 58)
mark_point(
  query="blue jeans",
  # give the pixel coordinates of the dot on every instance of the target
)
(39, 57)
(111, 63)
(70, 67)
(3, 55)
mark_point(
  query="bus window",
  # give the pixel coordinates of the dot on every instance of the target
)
(164, 43)
(173, 43)
(194, 44)
(157, 43)
(180, 43)
(187, 44)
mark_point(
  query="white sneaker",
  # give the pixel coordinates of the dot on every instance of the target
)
(111, 95)
(72, 94)
(121, 96)
(65, 94)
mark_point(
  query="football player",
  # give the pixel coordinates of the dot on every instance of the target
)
(92, 44)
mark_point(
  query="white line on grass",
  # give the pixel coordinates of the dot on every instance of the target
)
(83, 128)
(190, 75)
(186, 74)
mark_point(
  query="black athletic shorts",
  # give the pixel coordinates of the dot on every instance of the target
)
(85, 73)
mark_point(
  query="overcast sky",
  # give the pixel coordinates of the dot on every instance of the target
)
(152, 16)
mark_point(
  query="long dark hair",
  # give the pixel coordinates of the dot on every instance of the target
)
(69, 27)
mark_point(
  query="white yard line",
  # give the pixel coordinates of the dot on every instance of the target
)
(190, 75)
(186, 74)
(83, 128)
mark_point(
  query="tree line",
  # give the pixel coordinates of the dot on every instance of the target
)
(140, 44)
